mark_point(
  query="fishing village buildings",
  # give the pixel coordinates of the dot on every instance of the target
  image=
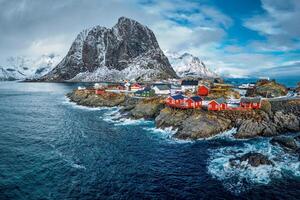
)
(187, 94)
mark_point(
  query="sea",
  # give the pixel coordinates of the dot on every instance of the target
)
(51, 148)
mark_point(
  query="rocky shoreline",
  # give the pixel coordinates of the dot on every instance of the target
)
(275, 119)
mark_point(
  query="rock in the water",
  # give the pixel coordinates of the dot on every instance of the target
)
(285, 142)
(252, 158)
(128, 50)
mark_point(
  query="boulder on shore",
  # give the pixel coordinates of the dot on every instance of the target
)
(285, 142)
(147, 108)
(192, 125)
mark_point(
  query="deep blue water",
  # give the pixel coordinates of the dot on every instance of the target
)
(52, 149)
(290, 81)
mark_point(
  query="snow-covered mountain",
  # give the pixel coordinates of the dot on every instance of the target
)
(187, 65)
(128, 50)
(21, 67)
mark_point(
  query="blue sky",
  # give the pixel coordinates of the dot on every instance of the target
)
(234, 37)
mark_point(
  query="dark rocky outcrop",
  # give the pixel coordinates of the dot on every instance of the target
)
(192, 125)
(147, 108)
(128, 50)
(267, 88)
(275, 117)
(286, 142)
(252, 158)
(90, 99)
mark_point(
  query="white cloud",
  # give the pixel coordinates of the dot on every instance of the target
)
(279, 24)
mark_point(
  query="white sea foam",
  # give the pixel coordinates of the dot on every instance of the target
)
(166, 134)
(74, 165)
(227, 135)
(118, 119)
(239, 179)
(74, 105)
(68, 160)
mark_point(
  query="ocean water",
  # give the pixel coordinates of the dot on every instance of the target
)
(53, 149)
(290, 81)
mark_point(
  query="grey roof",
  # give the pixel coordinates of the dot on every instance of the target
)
(162, 87)
(196, 98)
(189, 82)
(176, 97)
(251, 100)
(220, 100)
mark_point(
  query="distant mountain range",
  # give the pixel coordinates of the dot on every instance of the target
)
(189, 66)
(21, 67)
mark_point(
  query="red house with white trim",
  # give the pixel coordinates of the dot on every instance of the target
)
(202, 90)
(218, 104)
(194, 102)
(136, 87)
(253, 103)
(175, 100)
(100, 91)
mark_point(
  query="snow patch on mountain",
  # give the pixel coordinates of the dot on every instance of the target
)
(21, 67)
(187, 65)
(128, 50)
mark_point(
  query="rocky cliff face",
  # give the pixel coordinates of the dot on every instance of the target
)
(187, 65)
(128, 50)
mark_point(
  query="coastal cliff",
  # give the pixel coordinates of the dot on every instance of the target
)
(274, 118)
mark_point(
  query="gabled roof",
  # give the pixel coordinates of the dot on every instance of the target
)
(204, 86)
(220, 100)
(196, 98)
(250, 100)
(189, 82)
(136, 85)
(147, 88)
(177, 97)
(162, 86)
(139, 92)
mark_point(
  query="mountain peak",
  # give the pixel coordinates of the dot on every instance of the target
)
(123, 19)
(187, 65)
(129, 50)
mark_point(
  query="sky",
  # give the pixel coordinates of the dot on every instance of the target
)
(236, 38)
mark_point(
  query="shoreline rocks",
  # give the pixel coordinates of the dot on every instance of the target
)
(276, 118)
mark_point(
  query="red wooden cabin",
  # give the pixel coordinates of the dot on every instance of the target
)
(218, 104)
(175, 101)
(100, 91)
(202, 90)
(254, 103)
(194, 102)
(136, 87)
(121, 87)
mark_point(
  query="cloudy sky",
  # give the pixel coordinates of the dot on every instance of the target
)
(234, 37)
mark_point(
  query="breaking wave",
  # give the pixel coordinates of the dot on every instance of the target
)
(74, 105)
(240, 179)
(226, 135)
(114, 116)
